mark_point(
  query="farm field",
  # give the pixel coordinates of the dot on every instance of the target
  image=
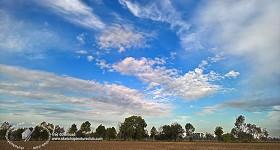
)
(129, 145)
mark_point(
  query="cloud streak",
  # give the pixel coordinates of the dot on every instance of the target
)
(21, 37)
(271, 104)
(62, 93)
(163, 11)
(245, 29)
(76, 12)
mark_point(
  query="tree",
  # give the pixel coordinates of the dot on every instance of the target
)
(134, 127)
(85, 127)
(264, 134)
(58, 130)
(189, 130)
(73, 129)
(80, 133)
(101, 131)
(153, 132)
(209, 136)
(41, 131)
(219, 132)
(239, 128)
(111, 133)
(3, 129)
(176, 131)
(228, 137)
(246, 132)
(166, 132)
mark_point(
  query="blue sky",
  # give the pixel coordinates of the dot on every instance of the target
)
(203, 62)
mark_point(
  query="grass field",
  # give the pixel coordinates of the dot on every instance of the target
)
(129, 145)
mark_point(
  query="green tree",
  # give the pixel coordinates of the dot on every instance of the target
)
(176, 130)
(239, 128)
(58, 130)
(16, 134)
(228, 137)
(80, 133)
(209, 136)
(153, 132)
(3, 129)
(246, 132)
(73, 129)
(111, 133)
(219, 132)
(166, 132)
(85, 127)
(134, 127)
(189, 130)
(42, 131)
(101, 131)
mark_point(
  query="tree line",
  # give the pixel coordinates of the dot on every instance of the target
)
(134, 128)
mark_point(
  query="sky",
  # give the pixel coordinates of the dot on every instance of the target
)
(196, 61)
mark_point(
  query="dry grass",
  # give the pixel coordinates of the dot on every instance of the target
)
(129, 145)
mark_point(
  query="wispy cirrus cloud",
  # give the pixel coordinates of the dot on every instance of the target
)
(21, 37)
(244, 29)
(65, 94)
(163, 11)
(76, 12)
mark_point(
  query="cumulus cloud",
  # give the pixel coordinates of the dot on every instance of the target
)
(76, 12)
(122, 38)
(66, 95)
(164, 83)
(232, 73)
(89, 58)
(102, 64)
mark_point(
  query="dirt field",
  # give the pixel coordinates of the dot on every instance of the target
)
(121, 145)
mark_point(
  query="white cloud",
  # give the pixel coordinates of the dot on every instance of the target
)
(232, 73)
(66, 95)
(102, 64)
(81, 38)
(164, 83)
(89, 58)
(163, 11)
(247, 30)
(276, 108)
(18, 36)
(81, 52)
(203, 63)
(76, 12)
(217, 57)
(122, 38)
(173, 55)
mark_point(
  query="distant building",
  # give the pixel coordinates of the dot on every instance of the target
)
(198, 136)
